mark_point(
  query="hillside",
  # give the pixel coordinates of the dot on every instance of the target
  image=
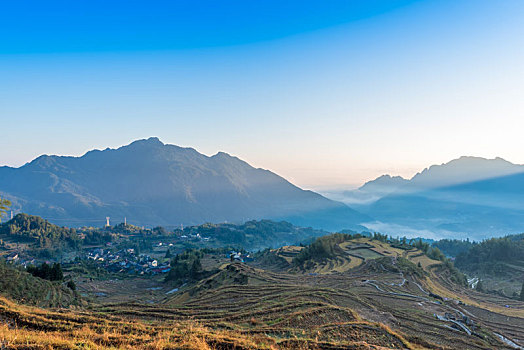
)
(347, 290)
(252, 235)
(26, 327)
(39, 233)
(340, 292)
(493, 254)
(497, 262)
(24, 288)
(152, 183)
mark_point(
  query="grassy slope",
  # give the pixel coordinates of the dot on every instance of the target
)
(411, 310)
(25, 327)
(243, 307)
(27, 289)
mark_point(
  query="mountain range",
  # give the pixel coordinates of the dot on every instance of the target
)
(469, 196)
(152, 183)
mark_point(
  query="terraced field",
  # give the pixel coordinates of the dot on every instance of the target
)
(384, 302)
(26, 327)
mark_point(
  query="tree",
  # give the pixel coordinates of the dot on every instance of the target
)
(56, 273)
(71, 285)
(4, 206)
(196, 269)
(159, 230)
(47, 272)
(480, 286)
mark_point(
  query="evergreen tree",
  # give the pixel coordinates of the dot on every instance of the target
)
(45, 271)
(71, 285)
(480, 286)
(56, 273)
(4, 206)
(196, 268)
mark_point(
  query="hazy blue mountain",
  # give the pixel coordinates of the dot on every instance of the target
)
(151, 183)
(457, 171)
(473, 196)
(372, 190)
(384, 184)
(463, 170)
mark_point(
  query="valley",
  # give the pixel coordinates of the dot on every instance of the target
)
(341, 291)
(262, 175)
(247, 284)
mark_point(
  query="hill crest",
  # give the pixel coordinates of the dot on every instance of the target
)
(152, 183)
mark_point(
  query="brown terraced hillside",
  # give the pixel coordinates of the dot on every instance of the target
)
(363, 294)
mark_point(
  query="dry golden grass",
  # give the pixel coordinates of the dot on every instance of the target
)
(244, 307)
(26, 327)
(288, 252)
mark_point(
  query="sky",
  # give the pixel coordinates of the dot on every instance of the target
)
(328, 94)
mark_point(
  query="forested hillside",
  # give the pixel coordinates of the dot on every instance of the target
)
(40, 232)
(494, 256)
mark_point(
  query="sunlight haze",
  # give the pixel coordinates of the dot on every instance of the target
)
(383, 88)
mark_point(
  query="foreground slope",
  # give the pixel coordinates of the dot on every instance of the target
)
(366, 293)
(25, 288)
(362, 294)
(151, 183)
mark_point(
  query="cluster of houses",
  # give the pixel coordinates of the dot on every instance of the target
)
(194, 237)
(238, 256)
(16, 258)
(127, 261)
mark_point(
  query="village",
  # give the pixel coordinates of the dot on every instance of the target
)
(127, 261)
(121, 255)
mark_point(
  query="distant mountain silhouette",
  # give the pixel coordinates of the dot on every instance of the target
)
(463, 170)
(475, 196)
(372, 190)
(384, 184)
(152, 183)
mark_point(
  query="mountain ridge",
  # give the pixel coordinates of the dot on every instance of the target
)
(464, 169)
(480, 207)
(154, 183)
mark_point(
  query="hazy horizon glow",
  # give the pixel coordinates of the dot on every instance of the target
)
(324, 95)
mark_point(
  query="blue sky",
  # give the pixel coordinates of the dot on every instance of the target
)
(325, 93)
(124, 25)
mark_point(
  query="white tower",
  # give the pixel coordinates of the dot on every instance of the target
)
(125, 221)
(107, 221)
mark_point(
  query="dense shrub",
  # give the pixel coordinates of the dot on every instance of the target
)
(322, 248)
(453, 247)
(51, 273)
